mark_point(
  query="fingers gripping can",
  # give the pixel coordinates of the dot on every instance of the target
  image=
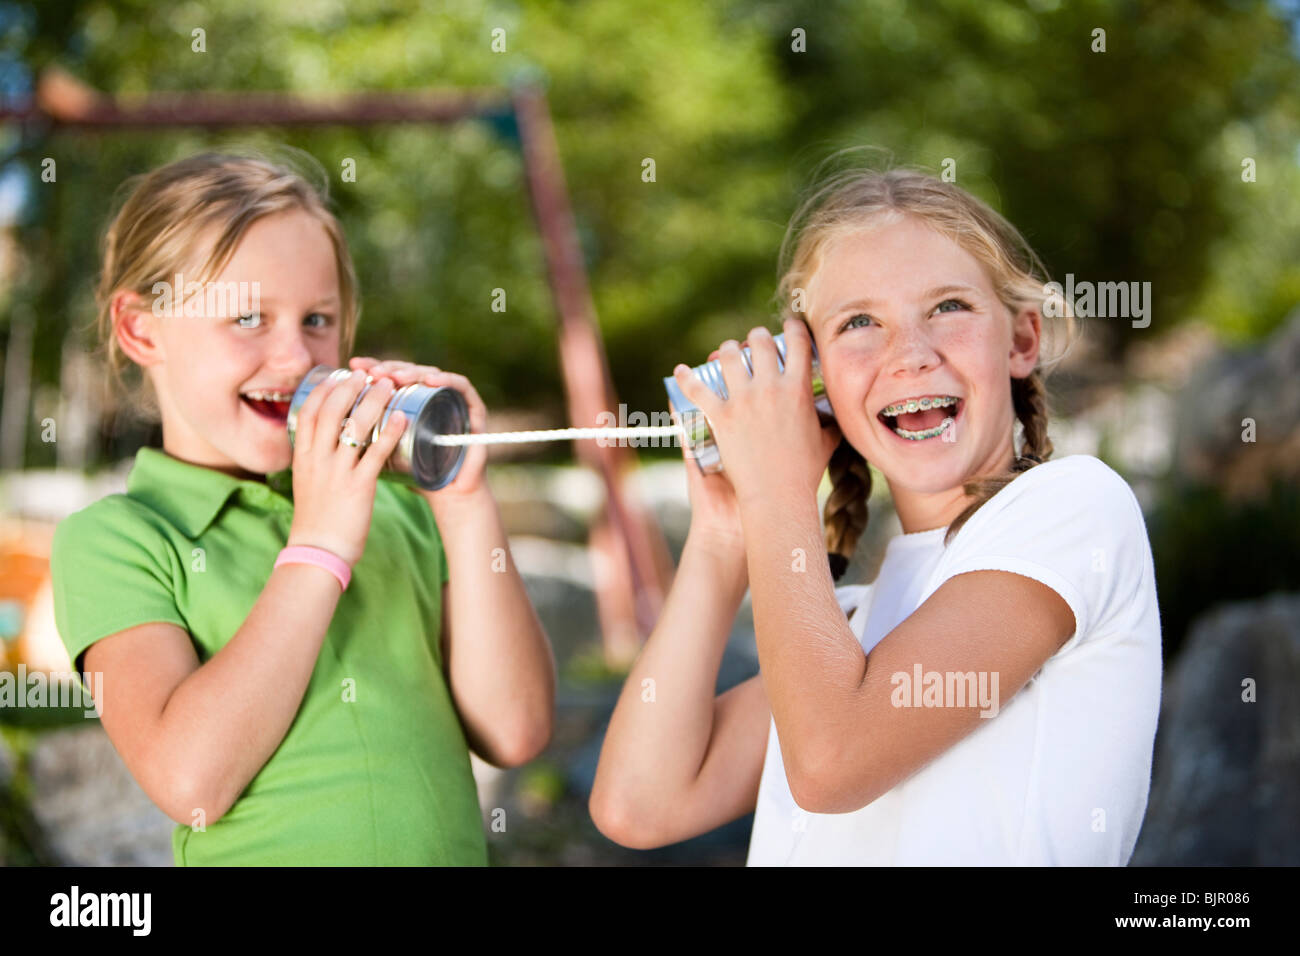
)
(429, 411)
(698, 436)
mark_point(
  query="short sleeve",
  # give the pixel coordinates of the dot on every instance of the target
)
(1073, 525)
(109, 570)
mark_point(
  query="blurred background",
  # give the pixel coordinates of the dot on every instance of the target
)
(1170, 156)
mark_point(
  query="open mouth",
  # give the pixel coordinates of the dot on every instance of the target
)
(271, 405)
(921, 417)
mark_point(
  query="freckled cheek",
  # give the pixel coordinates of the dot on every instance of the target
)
(978, 358)
(963, 337)
(849, 374)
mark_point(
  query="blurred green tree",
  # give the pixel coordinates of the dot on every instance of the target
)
(1122, 165)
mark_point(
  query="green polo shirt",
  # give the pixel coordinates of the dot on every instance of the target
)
(374, 769)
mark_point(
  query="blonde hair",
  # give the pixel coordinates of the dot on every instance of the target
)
(155, 233)
(856, 199)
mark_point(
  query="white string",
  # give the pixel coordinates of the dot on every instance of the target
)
(560, 434)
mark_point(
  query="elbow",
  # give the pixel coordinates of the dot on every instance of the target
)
(825, 781)
(525, 748)
(810, 793)
(191, 801)
(619, 821)
(524, 743)
(525, 733)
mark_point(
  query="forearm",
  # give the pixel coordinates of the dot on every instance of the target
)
(223, 722)
(812, 663)
(661, 727)
(500, 665)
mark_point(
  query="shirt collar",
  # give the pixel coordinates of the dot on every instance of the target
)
(191, 496)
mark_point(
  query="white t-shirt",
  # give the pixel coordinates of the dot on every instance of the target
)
(1060, 775)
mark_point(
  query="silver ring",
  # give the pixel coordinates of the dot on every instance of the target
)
(345, 438)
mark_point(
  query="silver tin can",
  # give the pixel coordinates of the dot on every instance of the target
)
(699, 438)
(429, 411)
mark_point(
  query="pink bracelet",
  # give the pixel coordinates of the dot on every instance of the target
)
(301, 554)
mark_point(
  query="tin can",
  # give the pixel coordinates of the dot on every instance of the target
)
(429, 411)
(698, 436)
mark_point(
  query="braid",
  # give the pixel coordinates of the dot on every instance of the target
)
(1029, 398)
(845, 514)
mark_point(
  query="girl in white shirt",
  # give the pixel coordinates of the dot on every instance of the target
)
(991, 698)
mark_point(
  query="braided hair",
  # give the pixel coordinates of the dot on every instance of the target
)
(1029, 398)
(845, 514)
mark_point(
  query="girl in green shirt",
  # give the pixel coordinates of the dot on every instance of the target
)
(287, 713)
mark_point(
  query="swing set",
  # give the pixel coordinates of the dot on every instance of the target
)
(631, 561)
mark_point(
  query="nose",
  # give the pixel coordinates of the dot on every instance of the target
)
(911, 352)
(291, 356)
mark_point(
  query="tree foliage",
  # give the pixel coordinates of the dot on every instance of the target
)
(1122, 165)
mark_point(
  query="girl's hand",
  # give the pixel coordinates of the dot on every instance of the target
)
(469, 479)
(768, 433)
(334, 483)
(715, 515)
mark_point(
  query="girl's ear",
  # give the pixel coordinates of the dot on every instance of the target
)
(1026, 336)
(133, 325)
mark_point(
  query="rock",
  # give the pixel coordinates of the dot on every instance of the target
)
(1261, 384)
(1226, 782)
(90, 809)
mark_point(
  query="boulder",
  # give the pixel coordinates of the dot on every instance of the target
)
(1259, 385)
(1225, 787)
(91, 810)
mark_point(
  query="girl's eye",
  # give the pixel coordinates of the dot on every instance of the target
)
(960, 306)
(853, 323)
(324, 319)
(248, 317)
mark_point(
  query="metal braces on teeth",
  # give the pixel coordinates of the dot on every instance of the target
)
(918, 405)
(926, 433)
